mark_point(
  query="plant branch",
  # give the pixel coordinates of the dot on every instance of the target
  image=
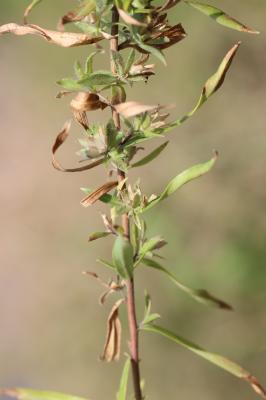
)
(131, 308)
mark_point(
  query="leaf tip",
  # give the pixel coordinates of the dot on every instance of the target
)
(257, 387)
(215, 154)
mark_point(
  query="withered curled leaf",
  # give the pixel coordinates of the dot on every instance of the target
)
(98, 193)
(111, 351)
(28, 10)
(83, 102)
(64, 39)
(60, 139)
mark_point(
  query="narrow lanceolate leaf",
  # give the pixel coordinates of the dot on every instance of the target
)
(220, 16)
(214, 358)
(180, 180)
(60, 139)
(200, 295)
(123, 257)
(106, 263)
(64, 39)
(98, 193)
(30, 7)
(30, 394)
(98, 235)
(122, 392)
(211, 86)
(111, 351)
(150, 157)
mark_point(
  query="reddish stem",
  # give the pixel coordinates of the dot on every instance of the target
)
(131, 308)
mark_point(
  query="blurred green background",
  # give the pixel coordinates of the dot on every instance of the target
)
(52, 329)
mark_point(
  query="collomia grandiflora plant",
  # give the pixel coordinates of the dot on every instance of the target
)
(136, 30)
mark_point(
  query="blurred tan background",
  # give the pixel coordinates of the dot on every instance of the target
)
(52, 329)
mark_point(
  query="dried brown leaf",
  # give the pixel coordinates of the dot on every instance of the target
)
(71, 16)
(111, 351)
(132, 108)
(128, 19)
(63, 93)
(64, 39)
(98, 193)
(81, 118)
(87, 102)
(172, 34)
(108, 223)
(257, 387)
(96, 276)
(60, 139)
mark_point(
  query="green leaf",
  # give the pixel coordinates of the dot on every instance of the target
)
(151, 318)
(180, 180)
(106, 263)
(78, 70)
(220, 16)
(130, 61)
(89, 63)
(30, 394)
(150, 245)
(118, 61)
(211, 86)
(87, 7)
(98, 235)
(123, 257)
(213, 358)
(98, 78)
(150, 157)
(69, 84)
(148, 317)
(122, 392)
(200, 295)
(149, 49)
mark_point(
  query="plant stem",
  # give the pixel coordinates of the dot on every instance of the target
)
(131, 307)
